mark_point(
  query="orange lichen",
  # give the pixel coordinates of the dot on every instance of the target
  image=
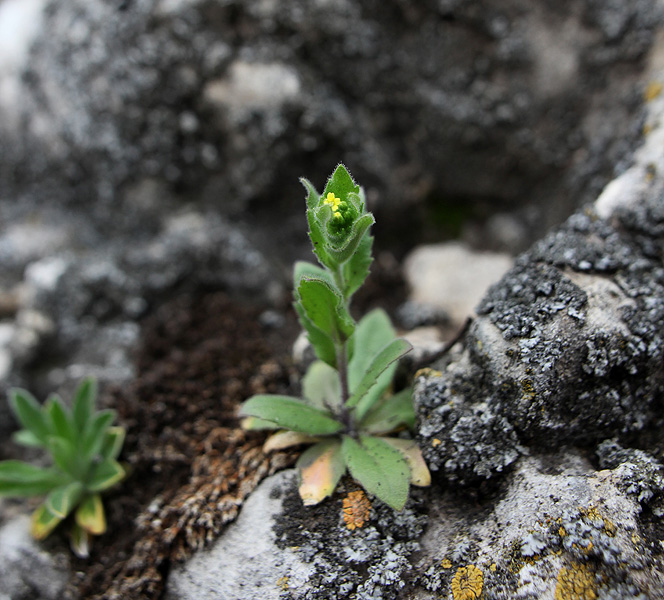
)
(436, 442)
(576, 582)
(356, 509)
(467, 583)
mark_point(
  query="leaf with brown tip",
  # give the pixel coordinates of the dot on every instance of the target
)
(320, 468)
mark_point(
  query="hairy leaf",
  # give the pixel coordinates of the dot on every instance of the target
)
(342, 253)
(291, 413)
(321, 387)
(318, 238)
(324, 306)
(319, 469)
(379, 468)
(18, 478)
(380, 362)
(373, 332)
(341, 183)
(313, 197)
(322, 343)
(62, 500)
(419, 472)
(356, 269)
(389, 413)
(29, 413)
(306, 269)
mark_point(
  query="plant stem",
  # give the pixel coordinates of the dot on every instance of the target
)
(342, 367)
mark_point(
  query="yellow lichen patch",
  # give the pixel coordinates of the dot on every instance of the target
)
(427, 372)
(493, 567)
(652, 91)
(576, 582)
(467, 583)
(446, 564)
(436, 442)
(282, 582)
(356, 508)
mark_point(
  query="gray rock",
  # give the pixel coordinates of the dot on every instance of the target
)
(451, 277)
(28, 570)
(470, 107)
(245, 562)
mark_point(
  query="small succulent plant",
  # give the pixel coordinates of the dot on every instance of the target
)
(348, 409)
(83, 447)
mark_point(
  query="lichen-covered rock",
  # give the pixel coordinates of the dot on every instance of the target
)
(567, 348)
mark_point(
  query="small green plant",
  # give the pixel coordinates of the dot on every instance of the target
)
(83, 447)
(348, 408)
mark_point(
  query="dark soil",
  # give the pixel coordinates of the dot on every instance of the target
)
(191, 465)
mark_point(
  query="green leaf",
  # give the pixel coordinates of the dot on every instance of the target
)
(113, 441)
(341, 183)
(61, 421)
(318, 238)
(356, 269)
(43, 521)
(94, 433)
(306, 269)
(62, 500)
(84, 402)
(372, 334)
(322, 343)
(65, 456)
(325, 307)
(29, 413)
(388, 355)
(313, 197)
(389, 413)
(290, 413)
(321, 387)
(18, 478)
(25, 437)
(319, 469)
(379, 468)
(90, 515)
(340, 254)
(104, 475)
